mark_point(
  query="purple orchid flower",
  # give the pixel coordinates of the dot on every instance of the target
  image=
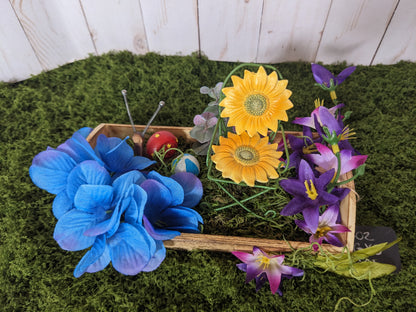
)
(326, 79)
(327, 228)
(310, 193)
(259, 266)
(327, 160)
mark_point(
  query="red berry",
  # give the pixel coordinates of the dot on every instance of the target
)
(160, 139)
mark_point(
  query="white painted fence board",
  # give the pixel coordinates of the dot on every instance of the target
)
(56, 29)
(17, 58)
(399, 42)
(354, 30)
(291, 30)
(116, 25)
(229, 30)
(171, 26)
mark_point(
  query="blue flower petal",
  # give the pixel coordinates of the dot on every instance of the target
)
(95, 259)
(115, 152)
(134, 211)
(158, 198)
(159, 234)
(79, 149)
(192, 187)
(70, 228)
(88, 198)
(157, 258)
(139, 163)
(50, 169)
(61, 204)
(129, 249)
(85, 131)
(109, 225)
(124, 181)
(174, 187)
(87, 172)
(180, 218)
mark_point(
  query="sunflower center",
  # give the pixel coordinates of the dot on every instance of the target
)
(255, 104)
(246, 155)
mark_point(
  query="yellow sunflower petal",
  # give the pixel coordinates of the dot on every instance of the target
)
(256, 102)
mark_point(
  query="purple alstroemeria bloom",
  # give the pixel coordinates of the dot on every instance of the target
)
(310, 193)
(327, 228)
(326, 159)
(168, 210)
(261, 266)
(323, 76)
(323, 117)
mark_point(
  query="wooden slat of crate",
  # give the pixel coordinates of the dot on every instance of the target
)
(187, 241)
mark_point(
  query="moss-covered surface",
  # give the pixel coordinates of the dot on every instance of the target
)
(36, 275)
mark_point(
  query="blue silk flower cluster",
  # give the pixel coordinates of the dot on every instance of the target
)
(107, 203)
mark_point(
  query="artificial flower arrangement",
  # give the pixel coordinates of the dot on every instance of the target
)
(122, 207)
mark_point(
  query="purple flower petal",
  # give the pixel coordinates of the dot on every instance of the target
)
(311, 216)
(296, 205)
(158, 198)
(344, 74)
(192, 187)
(293, 187)
(174, 187)
(322, 75)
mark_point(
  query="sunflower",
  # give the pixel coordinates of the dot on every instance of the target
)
(256, 103)
(245, 158)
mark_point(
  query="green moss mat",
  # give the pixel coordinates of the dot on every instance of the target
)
(36, 275)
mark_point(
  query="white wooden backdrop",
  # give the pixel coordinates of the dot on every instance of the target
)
(39, 35)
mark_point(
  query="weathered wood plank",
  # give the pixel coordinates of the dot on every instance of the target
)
(354, 30)
(171, 26)
(17, 58)
(56, 30)
(116, 25)
(291, 30)
(229, 30)
(399, 42)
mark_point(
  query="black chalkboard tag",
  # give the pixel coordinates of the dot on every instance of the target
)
(367, 236)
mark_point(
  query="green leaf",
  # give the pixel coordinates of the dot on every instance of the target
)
(351, 265)
(365, 270)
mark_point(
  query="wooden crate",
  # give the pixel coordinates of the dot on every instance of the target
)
(189, 241)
